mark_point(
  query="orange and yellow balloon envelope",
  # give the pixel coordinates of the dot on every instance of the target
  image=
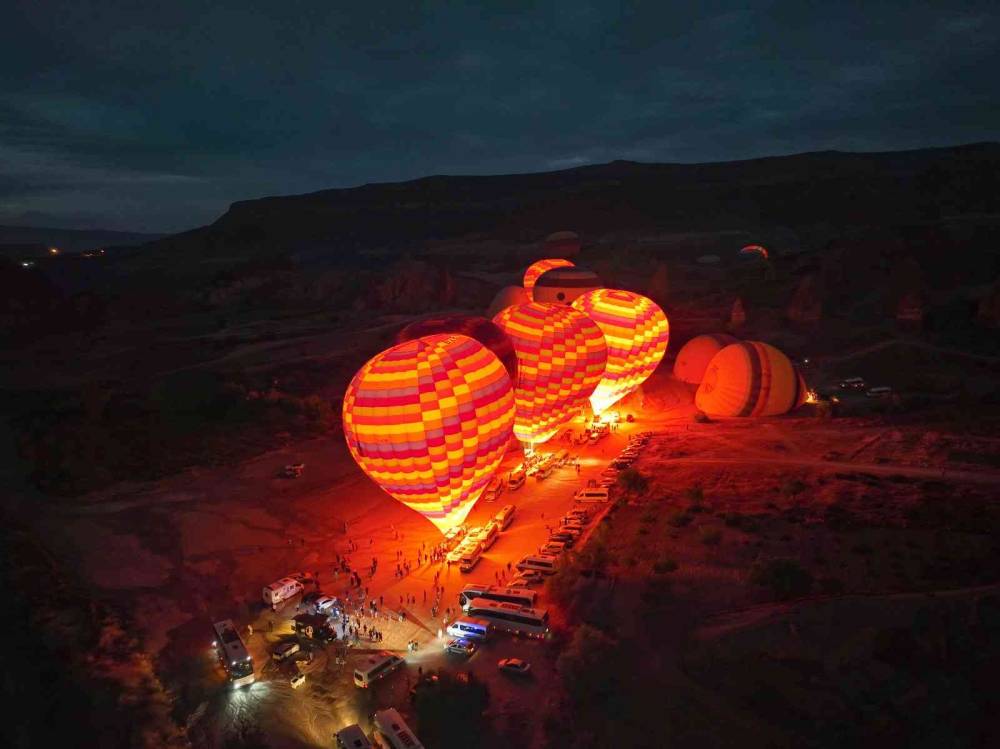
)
(535, 270)
(429, 421)
(561, 355)
(637, 334)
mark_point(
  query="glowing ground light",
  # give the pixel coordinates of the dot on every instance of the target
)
(429, 421)
(637, 333)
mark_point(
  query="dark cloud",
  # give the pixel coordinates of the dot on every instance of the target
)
(156, 116)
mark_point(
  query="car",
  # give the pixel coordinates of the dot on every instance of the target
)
(569, 526)
(325, 604)
(606, 481)
(297, 680)
(285, 650)
(461, 646)
(554, 548)
(514, 666)
(313, 597)
(527, 578)
(564, 538)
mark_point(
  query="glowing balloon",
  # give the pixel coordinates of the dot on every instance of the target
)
(750, 378)
(536, 269)
(561, 355)
(429, 421)
(693, 358)
(755, 249)
(475, 327)
(563, 285)
(637, 333)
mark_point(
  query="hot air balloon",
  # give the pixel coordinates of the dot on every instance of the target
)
(750, 378)
(755, 249)
(507, 296)
(429, 421)
(563, 285)
(694, 356)
(475, 327)
(561, 355)
(562, 244)
(536, 269)
(637, 333)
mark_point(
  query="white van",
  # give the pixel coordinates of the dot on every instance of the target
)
(392, 729)
(516, 480)
(352, 737)
(493, 490)
(489, 535)
(470, 558)
(544, 563)
(278, 592)
(470, 628)
(505, 517)
(376, 667)
(592, 494)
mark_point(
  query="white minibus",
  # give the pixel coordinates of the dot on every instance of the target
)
(544, 563)
(592, 494)
(505, 517)
(392, 729)
(376, 667)
(470, 628)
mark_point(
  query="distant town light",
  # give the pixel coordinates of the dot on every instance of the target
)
(53, 250)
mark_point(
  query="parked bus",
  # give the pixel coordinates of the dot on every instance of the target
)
(505, 517)
(520, 596)
(470, 628)
(376, 667)
(393, 731)
(232, 651)
(510, 617)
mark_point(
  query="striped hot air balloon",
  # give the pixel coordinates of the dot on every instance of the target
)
(693, 358)
(536, 269)
(429, 421)
(750, 378)
(637, 333)
(563, 285)
(476, 327)
(561, 355)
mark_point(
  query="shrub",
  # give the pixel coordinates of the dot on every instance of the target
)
(792, 487)
(665, 565)
(589, 666)
(786, 578)
(710, 536)
(633, 481)
(648, 518)
(695, 494)
(679, 518)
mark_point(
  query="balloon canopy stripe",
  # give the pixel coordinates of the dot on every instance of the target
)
(561, 357)
(429, 421)
(538, 268)
(637, 333)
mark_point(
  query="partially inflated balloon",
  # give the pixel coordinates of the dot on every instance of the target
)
(473, 326)
(693, 358)
(429, 421)
(750, 378)
(538, 268)
(561, 355)
(637, 333)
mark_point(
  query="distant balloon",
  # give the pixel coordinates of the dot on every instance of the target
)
(750, 378)
(562, 244)
(507, 296)
(473, 326)
(563, 285)
(755, 249)
(693, 358)
(561, 356)
(637, 333)
(429, 421)
(536, 269)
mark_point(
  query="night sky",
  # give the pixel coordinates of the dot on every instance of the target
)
(156, 115)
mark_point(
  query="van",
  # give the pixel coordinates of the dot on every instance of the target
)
(598, 494)
(493, 490)
(489, 535)
(352, 737)
(516, 480)
(470, 628)
(505, 517)
(553, 548)
(393, 731)
(544, 563)
(470, 558)
(376, 667)
(278, 592)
